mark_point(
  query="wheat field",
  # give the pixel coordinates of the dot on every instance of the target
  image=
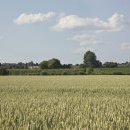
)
(65, 103)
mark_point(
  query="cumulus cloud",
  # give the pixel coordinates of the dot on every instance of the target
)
(113, 24)
(33, 18)
(86, 42)
(85, 39)
(125, 46)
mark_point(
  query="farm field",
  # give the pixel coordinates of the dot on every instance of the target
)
(65, 102)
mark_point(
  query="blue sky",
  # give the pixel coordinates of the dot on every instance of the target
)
(33, 30)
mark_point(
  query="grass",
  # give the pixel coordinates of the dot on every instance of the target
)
(65, 103)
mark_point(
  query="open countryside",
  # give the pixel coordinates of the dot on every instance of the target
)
(89, 66)
(65, 103)
(64, 64)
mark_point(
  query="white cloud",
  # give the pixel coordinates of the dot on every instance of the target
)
(82, 50)
(33, 18)
(86, 42)
(125, 46)
(113, 24)
(84, 39)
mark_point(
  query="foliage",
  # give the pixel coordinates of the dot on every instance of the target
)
(24, 71)
(66, 66)
(54, 64)
(111, 71)
(3, 71)
(90, 60)
(63, 72)
(98, 64)
(117, 73)
(65, 103)
(77, 71)
(82, 66)
(89, 71)
(44, 65)
(50, 64)
(110, 64)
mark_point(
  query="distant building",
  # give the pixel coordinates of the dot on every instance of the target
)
(33, 67)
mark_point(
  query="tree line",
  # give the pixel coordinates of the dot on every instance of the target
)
(89, 61)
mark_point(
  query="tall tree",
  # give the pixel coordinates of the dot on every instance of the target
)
(90, 60)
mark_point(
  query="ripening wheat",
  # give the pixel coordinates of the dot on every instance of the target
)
(65, 103)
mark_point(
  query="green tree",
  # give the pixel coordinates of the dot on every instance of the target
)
(54, 64)
(31, 63)
(98, 64)
(90, 60)
(50, 64)
(110, 64)
(44, 65)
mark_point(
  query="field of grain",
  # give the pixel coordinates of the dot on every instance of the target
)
(65, 103)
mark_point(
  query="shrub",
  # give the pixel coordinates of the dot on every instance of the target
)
(64, 73)
(81, 73)
(89, 70)
(4, 72)
(44, 73)
(118, 73)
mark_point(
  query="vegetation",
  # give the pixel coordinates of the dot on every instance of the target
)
(65, 103)
(50, 64)
(53, 66)
(3, 71)
(112, 71)
(72, 71)
(47, 72)
(90, 60)
(110, 64)
(19, 65)
(44, 65)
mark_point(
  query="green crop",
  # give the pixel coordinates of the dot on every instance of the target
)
(65, 103)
